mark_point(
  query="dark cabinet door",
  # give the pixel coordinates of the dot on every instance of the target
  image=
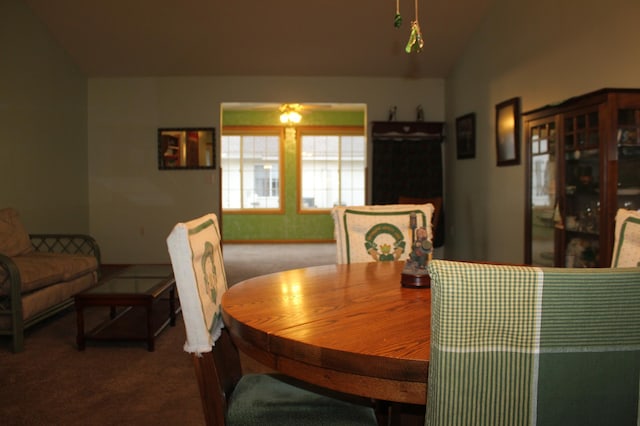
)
(407, 163)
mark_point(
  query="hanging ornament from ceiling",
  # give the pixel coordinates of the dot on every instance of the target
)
(397, 20)
(416, 42)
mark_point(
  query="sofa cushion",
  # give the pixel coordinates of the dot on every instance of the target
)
(14, 239)
(39, 301)
(38, 270)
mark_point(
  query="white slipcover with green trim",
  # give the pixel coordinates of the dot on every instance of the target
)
(196, 256)
(378, 233)
(626, 248)
(519, 345)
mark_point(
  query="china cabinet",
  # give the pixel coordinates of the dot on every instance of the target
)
(582, 164)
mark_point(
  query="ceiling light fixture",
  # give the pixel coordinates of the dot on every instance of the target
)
(289, 114)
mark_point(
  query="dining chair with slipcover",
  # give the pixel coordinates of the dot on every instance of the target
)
(524, 345)
(626, 247)
(378, 233)
(229, 396)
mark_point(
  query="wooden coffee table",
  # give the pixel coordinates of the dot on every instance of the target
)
(141, 287)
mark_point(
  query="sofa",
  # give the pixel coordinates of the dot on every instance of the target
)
(40, 274)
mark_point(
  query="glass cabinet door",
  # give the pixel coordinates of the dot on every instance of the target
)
(583, 164)
(542, 143)
(628, 186)
(581, 198)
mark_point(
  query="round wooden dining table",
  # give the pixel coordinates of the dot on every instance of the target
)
(348, 327)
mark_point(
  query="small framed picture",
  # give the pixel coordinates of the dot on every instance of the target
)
(508, 132)
(466, 136)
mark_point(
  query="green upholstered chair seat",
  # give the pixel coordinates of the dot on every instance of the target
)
(265, 400)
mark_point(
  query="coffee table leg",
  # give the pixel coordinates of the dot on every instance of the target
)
(80, 340)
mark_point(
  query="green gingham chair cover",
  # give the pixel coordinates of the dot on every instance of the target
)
(518, 345)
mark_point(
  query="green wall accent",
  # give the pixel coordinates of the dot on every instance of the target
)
(309, 118)
(287, 226)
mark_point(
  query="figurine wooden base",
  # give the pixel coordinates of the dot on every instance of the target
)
(416, 281)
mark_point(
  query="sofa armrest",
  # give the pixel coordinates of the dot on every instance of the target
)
(11, 305)
(13, 277)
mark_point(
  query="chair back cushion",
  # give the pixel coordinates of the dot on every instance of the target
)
(198, 267)
(520, 345)
(14, 239)
(377, 233)
(626, 248)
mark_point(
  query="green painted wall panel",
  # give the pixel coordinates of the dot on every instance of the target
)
(288, 225)
(309, 118)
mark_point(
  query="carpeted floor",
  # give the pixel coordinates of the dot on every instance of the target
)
(113, 383)
(244, 261)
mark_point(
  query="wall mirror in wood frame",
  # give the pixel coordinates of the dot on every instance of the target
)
(186, 148)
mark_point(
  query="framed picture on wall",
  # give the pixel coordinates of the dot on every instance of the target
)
(508, 132)
(186, 148)
(466, 136)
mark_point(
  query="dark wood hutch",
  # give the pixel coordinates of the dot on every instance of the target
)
(582, 161)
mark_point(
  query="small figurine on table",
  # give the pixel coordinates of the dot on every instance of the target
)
(415, 272)
(421, 252)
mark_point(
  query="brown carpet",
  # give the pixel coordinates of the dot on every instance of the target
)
(121, 383)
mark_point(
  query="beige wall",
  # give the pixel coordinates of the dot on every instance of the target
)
(543, 51)
(43, 117)
(53, 120)
(134, 205)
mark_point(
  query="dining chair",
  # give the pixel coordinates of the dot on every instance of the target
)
(626, 247)
(523, 345)
(378, 233)
(229, 396)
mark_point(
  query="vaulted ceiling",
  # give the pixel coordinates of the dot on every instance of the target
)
(146, 38)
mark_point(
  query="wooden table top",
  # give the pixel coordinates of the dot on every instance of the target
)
(351, 328)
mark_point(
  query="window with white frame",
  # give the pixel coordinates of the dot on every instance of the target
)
(251, 169)
(332, 167)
